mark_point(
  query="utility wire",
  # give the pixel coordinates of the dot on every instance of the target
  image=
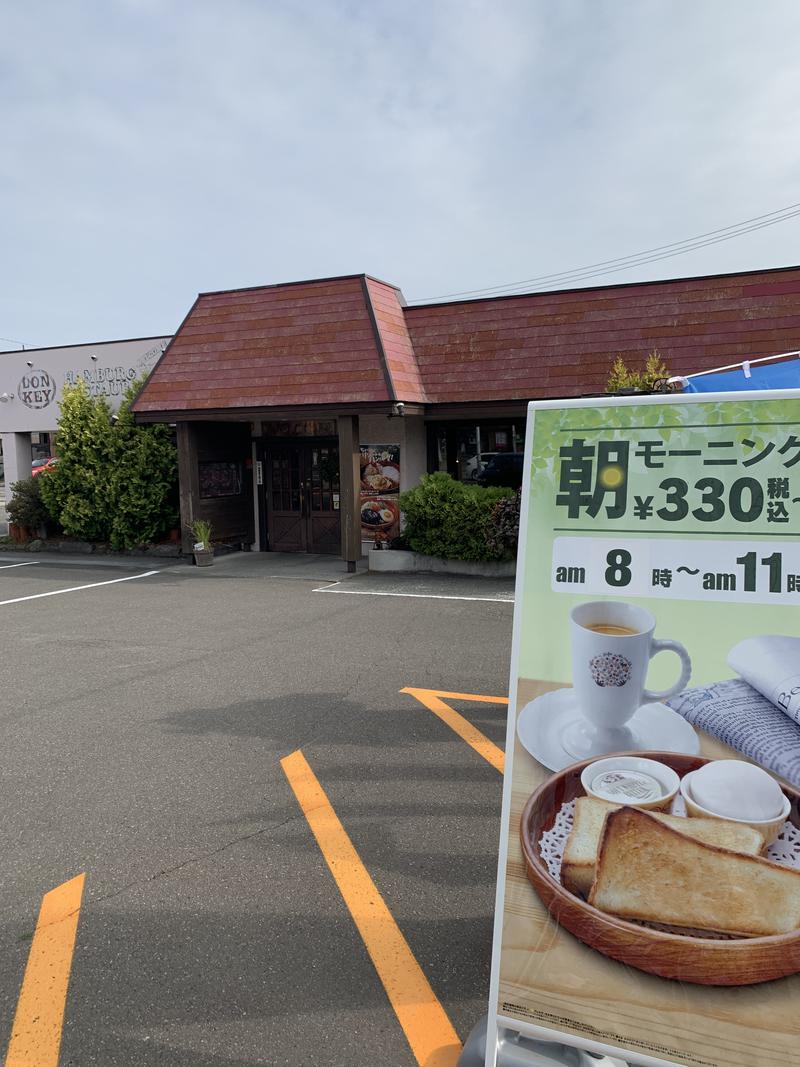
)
(650, 259)
(650, 255)
(13, 342)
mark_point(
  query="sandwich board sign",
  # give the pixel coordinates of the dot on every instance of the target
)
(648, 906)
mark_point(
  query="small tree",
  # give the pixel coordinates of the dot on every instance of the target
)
(25, 507)
(143, 478)
(623, 378)
(77, 494)
(114, 481)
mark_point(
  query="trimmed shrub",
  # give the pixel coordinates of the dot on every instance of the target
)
(503, 534)
(26, 507)
(77, 493)
(452, 520)
(114, 481)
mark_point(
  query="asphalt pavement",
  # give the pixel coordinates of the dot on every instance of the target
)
(143, 722)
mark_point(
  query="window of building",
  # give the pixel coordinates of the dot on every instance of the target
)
(464, 449)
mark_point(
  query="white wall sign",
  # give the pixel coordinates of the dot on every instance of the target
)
(31, 381)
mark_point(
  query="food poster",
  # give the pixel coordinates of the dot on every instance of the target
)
(649, 906)
(380, 486)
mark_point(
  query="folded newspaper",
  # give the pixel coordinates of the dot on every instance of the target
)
(758, 713)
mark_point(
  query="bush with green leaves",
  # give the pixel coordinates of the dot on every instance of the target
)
(452, 520)
(114, 481)
(503, 534)
(26, 507)
(626, 379)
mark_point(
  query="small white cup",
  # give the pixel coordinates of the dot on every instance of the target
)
(609, 670)
(770, 828)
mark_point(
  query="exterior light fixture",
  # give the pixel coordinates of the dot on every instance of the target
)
(398, 409)
(93, 358)
(5, 397)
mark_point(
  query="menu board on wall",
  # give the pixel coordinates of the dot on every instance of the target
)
(657, 612)
(217, 479)
(380, 486)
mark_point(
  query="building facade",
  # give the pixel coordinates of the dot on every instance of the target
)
(302, 409)
(32, 381)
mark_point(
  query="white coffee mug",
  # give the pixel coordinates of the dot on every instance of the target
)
(612, 645)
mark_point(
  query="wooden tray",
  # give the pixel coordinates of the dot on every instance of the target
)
(705, 961)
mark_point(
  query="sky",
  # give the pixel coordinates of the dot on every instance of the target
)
(154, 149)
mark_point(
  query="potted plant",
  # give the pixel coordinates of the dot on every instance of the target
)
(202, 547)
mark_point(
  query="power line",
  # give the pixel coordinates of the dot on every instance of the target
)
(11, 341)
(651, 259)
(650, 255)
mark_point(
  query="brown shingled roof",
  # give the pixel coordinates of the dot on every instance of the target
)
(317, 342)
(563, 344)
(351, 340)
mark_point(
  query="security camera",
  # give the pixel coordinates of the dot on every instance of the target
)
(398, 409)
(115, 418)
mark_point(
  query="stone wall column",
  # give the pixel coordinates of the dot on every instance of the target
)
(16, 458)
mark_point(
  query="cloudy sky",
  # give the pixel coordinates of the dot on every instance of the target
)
(152, 149)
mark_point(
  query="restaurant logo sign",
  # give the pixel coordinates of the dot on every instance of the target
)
(102, 381)
(36, 389)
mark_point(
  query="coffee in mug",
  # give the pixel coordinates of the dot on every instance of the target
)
(611, 629)
(612, 645)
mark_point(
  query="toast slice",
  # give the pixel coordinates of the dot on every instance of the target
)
(580, 854)
(648, 871)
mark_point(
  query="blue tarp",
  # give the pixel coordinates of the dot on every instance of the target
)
(784, 375)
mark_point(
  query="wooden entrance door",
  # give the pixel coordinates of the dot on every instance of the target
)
(302, 496)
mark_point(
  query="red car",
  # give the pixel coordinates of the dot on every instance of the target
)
(39, 465)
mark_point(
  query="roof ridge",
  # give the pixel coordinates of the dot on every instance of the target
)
(387, 374)
(414, 392)
(606, 287)
(300, 281)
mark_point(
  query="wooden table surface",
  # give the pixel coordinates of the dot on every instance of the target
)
(550, 979)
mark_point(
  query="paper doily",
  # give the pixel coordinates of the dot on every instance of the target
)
(784, 850)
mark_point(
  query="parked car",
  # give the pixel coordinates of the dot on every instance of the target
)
(473, 466)
(43, 464)
(503, 469)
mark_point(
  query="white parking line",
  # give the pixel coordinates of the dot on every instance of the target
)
(507, 598)
(8, 566)
(77, 588)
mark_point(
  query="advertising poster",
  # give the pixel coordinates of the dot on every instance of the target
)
(380, 487)
(651, 910)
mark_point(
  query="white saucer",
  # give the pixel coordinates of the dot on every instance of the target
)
(555, 732)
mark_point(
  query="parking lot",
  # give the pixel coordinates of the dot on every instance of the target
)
(231, 761)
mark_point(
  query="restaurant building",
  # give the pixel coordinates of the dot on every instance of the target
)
(302, 409)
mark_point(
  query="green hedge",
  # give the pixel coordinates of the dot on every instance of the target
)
(453, 520)
(26, 507)
(114, 481)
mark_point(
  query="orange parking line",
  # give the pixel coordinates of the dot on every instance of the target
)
(478, 698)
(428, 1030)
(36, 1033)
(432, 699)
